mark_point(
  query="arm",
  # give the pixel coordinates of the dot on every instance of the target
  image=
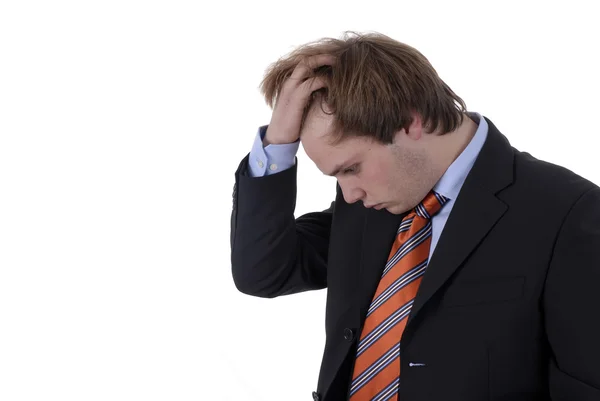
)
(572, 304)
(273, 253)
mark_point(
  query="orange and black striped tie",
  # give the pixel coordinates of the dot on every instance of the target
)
(376, 375)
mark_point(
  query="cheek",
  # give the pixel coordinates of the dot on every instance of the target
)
(377, 176)
(372, 182)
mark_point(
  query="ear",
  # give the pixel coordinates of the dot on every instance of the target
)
(415, 129)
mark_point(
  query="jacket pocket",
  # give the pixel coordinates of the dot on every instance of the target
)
(475, 292)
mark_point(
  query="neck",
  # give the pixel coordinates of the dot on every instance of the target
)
(452, 144)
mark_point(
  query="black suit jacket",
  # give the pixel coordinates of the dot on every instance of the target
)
(509, 308)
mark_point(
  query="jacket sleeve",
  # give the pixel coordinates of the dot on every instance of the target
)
(572, 304)
(272, 252)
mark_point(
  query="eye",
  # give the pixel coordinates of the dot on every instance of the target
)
(351, 170)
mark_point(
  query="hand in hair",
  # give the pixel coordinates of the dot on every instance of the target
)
(296, 91)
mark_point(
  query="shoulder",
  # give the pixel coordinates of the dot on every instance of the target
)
(550, 182)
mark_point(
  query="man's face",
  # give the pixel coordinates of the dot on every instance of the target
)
(395, 177)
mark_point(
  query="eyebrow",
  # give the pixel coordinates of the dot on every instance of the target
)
(337, 169)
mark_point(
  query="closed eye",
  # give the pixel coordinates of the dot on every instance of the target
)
(350, 170)
(353, 169)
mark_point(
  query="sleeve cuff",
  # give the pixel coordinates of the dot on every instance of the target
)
(271, 159)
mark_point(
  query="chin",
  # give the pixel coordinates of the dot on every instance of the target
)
(395, 209)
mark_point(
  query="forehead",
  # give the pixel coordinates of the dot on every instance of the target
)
(316, 140)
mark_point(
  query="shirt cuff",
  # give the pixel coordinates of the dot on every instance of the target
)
(273, 158)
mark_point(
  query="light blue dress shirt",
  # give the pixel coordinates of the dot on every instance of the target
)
(271, 159)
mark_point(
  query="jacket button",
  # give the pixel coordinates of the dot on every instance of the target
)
(348, 334)
(316, 396)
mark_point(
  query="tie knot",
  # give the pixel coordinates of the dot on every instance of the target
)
(432, 204)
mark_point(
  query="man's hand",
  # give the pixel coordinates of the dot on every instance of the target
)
(287, 114)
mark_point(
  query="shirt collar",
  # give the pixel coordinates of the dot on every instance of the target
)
(454, 177)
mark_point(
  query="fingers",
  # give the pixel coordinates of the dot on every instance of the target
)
(311, 85)
(290, 105)
(306, 66)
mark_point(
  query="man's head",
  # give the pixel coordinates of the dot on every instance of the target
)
(380, 126)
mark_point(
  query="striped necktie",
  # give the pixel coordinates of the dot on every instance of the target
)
(376, 375)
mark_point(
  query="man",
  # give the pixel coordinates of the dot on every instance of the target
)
(457, 268)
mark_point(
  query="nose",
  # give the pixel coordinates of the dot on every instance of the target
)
(352, 195)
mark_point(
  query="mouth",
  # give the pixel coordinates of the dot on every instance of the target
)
(376, 206)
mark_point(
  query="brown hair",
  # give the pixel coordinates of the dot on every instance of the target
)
(374, 85)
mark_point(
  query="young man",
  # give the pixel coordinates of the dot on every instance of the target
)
(456, 266)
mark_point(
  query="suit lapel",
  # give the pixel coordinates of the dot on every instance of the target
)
(474, 214)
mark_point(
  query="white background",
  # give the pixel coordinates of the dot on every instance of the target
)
(121, 126)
